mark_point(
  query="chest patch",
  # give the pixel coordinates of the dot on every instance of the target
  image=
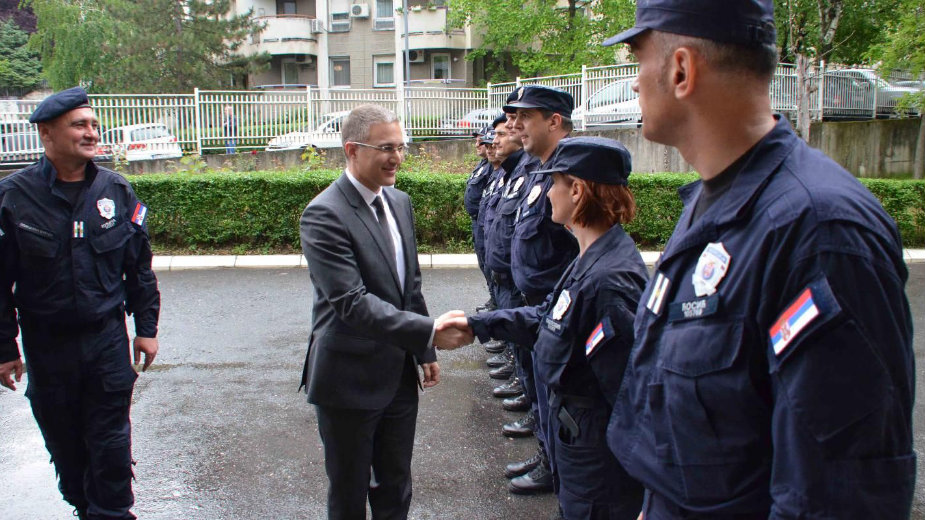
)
(711, 269)
(534, 194)
(107, 208)
(657, 296)
(793, 320)
(694, 309)
(562, 305)
(515, 188)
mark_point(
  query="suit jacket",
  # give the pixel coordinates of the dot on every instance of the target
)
(363, 322)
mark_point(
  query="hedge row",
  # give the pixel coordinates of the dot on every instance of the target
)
(262, 209)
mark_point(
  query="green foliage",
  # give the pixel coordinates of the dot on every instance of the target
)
(19, 67)
(904, 46)
(538, 37)
(155, 46)
(261, 210)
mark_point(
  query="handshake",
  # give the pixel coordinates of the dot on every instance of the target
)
(452, 330)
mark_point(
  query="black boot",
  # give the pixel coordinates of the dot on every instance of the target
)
(516, 469)
(512, 388)
(522, 427)
(539, 480)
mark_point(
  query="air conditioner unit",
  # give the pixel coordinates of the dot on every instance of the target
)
(359, 11)
(304, 59)
(316, 26)
(416, 56)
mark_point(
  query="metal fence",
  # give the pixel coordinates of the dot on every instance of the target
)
(146, 126)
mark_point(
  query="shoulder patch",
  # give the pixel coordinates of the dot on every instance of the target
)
(602, 331)
(793, 320)
(138, 216)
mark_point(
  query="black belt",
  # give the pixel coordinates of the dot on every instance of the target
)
(567, 401)
(60, 328)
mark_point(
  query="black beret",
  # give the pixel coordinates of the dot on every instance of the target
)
(538, 96)
(59, 103)
(500, 120)
(596, 159)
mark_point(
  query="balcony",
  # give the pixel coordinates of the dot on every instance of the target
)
(286, 34)
(427, 29)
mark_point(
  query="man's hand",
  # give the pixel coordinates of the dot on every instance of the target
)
(452, 331)
(431, 374)
(9, 368)
(147, 345)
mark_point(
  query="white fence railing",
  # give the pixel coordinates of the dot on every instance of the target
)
(229, 121)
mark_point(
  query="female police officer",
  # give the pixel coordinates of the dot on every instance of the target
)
(583, 332)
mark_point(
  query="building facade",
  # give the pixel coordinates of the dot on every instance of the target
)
(360, 44)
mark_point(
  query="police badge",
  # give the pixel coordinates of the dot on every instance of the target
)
(107, 208)
(534, 194)
(711, 268)
(562, 305)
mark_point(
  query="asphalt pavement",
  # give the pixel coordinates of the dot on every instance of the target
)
(220, 431)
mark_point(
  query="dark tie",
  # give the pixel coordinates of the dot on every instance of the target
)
(384, 228)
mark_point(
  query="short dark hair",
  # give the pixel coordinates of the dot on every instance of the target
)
(567, 124)
(758, 60)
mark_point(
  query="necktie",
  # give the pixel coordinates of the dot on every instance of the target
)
(384, 228)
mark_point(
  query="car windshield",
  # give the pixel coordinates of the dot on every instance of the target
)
(149, 132)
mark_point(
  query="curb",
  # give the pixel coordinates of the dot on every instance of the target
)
(463, 261)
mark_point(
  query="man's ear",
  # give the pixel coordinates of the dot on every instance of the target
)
(684, 69)
(350, 150)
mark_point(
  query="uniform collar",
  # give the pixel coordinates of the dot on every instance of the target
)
(511, 162)
(607, 242)
(50, 174)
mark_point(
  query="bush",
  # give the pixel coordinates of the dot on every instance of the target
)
(261, 210)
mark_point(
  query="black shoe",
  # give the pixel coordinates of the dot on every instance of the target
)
(539, 480)
(495, 346)
(512, 388)
(522, 427)
(489, 305)
(502, 372)
(521, 403)
(497, 360)
(517, 469)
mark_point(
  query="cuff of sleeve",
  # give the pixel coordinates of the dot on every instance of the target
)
(145, 326)
(479, 328)
(433, 332)
(9, 351)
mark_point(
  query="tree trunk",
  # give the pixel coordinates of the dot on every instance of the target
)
(918, 167)
(803, 92)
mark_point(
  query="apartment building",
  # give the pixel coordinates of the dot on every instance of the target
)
(360, 44)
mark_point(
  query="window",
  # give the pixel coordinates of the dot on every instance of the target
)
(285, 7)
(441, 66)
(385, 16)
(290, 73)
(383, 71)
(340, 72)
(340, 16)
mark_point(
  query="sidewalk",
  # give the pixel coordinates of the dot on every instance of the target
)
(183, 263)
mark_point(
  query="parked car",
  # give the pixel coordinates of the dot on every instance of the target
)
(613, 104)
(474, 120)
(139, 143)
(325, 135)
(868, 83)
(915, 84)
(19, 142)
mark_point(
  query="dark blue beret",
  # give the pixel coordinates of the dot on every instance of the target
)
(596, 159)
(59, 103)
(746, 22)
(538, 96)
(500, 120)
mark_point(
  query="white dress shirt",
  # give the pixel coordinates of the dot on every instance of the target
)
(369, 196)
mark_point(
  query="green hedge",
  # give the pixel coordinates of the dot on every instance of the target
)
(261, 210)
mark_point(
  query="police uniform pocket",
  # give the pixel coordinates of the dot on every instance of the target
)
(109, 250)
(37, 246)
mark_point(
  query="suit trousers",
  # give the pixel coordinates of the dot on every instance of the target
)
(357, 440)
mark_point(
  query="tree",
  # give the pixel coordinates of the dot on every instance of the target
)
(537, 37)
(19, 68)
(23, 16)
(151, 46)
(904, 47)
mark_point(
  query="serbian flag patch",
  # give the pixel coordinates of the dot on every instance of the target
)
(602, 331)
(794, 319)
(138, 216)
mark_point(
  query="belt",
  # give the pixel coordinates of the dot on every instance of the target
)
(571, 401)
(60, 328)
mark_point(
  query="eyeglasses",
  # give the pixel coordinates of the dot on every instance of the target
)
(386, 148)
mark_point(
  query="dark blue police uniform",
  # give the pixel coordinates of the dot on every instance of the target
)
(772, 374)
(77, 270)
(488, 207)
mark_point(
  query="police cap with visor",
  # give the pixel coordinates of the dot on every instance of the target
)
(60, 103)
(544, 98)
(595, 159)
(489, 137)
(744, 22)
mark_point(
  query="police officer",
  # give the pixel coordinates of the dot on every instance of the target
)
(540, 248)
(74, 244)
(772, 374)
(475, 186)
(582, 333)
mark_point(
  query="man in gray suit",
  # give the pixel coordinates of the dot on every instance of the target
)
(370, 327)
